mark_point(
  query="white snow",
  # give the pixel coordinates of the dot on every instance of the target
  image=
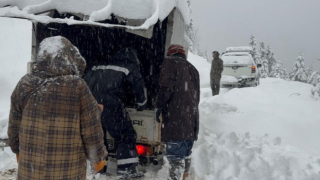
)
(8, 159)
(151, 10)
(15, 45)
(203, 68)
(237, 58)
(51, 47)
(239, 49)
(268, 132)
(231, 79)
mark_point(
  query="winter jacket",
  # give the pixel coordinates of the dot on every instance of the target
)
(179, 96)
(54, 122)
(108, 82)
(216, 70)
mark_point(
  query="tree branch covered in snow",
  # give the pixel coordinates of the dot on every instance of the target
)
(193, 37)
(270, 66)
(298, 71)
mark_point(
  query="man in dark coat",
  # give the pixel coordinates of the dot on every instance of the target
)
(215, 74)
(178, 101)
(54, 123)
(108, 84)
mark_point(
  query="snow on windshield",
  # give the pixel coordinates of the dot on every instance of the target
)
(151, 10)
(236, 58)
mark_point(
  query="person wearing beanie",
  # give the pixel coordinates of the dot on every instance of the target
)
(177, 102)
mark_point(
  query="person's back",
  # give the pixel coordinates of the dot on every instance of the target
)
(54, 122)
(217, 67)
(109, 81)
(108, 84)
(178, 101)
(183, 77)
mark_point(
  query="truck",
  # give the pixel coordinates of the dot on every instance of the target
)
(100, 33)
(239, 68)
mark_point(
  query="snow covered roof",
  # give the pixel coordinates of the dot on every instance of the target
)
(149, 10)
(239, 49)
(237, 58)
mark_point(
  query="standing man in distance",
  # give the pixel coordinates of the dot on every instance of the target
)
(215, 74)
(178, 101)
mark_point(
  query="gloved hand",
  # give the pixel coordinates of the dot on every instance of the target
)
(17, 156)
(99, 166)
(158, 112)
(101, 107)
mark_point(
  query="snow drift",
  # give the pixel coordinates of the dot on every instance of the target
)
(266, 132)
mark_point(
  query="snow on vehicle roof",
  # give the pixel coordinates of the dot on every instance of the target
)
(239, 49)
(237, 58)
(96, 10)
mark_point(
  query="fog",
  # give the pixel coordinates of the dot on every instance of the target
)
(288, 26)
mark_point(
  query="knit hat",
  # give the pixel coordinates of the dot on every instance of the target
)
(216, 52)
(175, 49)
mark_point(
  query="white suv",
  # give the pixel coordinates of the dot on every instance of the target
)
(239, 68)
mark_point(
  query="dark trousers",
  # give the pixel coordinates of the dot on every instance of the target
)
(215, 88)
(119, 126)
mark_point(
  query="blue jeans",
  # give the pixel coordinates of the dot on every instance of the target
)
(178, 150)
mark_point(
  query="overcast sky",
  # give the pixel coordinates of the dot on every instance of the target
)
(288, 26)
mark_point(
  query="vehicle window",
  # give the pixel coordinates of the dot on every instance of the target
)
(236, 59)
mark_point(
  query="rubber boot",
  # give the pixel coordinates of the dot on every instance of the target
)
(187, 164)
(176, 169)
(185, 176)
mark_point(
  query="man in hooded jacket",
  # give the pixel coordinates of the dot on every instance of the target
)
(54, 123)
(178, 101)
(108, 84)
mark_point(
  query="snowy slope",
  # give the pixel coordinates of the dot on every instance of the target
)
(15, 48)
(267, 132)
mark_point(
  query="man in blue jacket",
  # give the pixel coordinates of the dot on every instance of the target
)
(108, 85)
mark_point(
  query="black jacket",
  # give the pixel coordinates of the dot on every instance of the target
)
(179, 96)
(108, 82)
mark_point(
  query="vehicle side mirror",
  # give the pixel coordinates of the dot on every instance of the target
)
(259, 65)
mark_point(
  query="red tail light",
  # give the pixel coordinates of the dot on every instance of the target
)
(253, 69)
(142, 150)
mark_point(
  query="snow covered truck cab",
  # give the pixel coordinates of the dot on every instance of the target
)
(99, 29)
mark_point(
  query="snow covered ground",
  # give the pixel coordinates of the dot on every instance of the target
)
(15, 52)
(265, 132)
(269, 132)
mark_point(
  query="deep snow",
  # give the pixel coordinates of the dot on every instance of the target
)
(267, 132)
(15, 52)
